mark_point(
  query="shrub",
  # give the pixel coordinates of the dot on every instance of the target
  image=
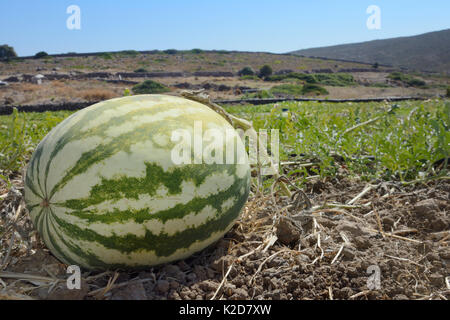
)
(141, 70)
(380, 85)
(221, 51)
(41, 54)
(333, 79)
(407, 79)
(246, 71)
(290, 89)
(310, 88)
(414, 82)
(98, 94)
(149, 87)
(265, 71)
(129, 53)
(249, 77)
(170, 51)
(7, 52)
(296, 90)
(196, 51)
(106, 55)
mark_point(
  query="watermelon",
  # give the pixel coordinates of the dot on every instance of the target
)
(104, 192)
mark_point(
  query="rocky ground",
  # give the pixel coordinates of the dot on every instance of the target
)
(330, 241)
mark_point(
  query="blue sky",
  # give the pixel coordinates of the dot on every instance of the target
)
(247, 25)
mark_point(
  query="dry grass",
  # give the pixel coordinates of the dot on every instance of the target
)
(97, 94)
(30, 87)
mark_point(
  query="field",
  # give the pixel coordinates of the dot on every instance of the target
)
(98, 77)
(371, 193)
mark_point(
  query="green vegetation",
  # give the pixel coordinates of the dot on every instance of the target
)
(291, 89)
(222, 51)
(297, 90)
(310, 88)
(106, 55)
(127, 53)
(405, 143)
(246, 71)
(20, 133)
(149, 87)
(328, 79)
(196, 51)
(380, 85)
(40, 55)
(7, 52)
(265, 71)
(141, 70)
(407, 79)
(170, 51)
(253, 77)
(448, 92)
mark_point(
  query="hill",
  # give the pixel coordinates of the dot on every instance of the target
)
(425, 52)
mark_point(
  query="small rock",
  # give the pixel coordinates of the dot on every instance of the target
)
(362, 243)
(439, 224)
(174, 284)
(350, 228)
(345, 293)
(228, 289)
(287, 232)
(210, 273)
(200, 272)
(426, 208)
(171, 270)
(222, 263)
(432, 256)
(240, 294)
(436, 279)
(348, 252)
(191, 277)
(444, 253)
(425, 247)
(307, 283)
(388, 223)
(133, 291)
(208, 286)
(162, 286)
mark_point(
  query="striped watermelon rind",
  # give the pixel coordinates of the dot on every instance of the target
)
(103, 192)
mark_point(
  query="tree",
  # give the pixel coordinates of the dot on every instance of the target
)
(41, 54)
(375, 65)
(7, 52)
(171, 51)
(265, 71)
(247, 71)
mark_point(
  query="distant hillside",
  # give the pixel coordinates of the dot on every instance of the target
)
(425, 52)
